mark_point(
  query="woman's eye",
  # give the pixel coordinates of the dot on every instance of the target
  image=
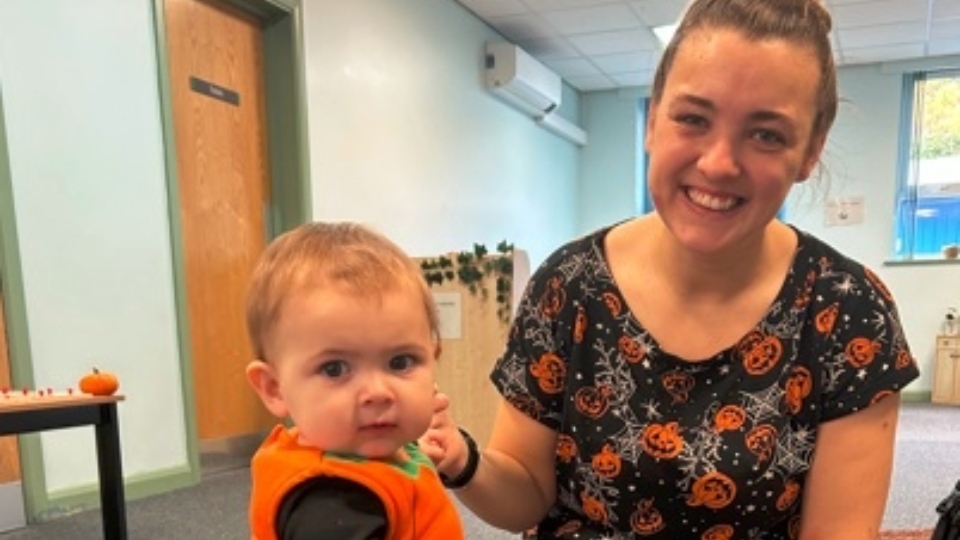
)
(402, 362)
(770, 137)
(692, 120)
(333, 369)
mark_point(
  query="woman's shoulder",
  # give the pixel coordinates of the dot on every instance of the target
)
(835, 274)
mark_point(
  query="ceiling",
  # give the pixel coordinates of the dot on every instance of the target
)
(604, 44)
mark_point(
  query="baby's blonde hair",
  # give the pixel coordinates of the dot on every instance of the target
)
(349, 255)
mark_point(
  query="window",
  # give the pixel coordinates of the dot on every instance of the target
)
(928, 194)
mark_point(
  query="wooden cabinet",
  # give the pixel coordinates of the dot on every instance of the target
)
(946, 377)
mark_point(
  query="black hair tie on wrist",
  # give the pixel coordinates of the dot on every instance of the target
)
(473, 459)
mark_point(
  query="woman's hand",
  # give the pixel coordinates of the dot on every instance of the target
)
(442, 442)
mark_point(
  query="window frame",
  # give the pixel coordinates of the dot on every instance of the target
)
(908, 199)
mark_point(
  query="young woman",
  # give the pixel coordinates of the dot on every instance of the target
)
(705, 371)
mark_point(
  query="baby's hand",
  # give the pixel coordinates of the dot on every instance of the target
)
(442, 442)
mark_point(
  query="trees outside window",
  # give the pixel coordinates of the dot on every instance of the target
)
(928, 201)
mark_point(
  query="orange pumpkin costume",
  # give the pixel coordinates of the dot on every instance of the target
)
(417, 506)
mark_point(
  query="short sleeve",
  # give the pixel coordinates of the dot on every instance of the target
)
(869, 357)
(532, 373)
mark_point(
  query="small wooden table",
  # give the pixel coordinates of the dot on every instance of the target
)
(63, 411)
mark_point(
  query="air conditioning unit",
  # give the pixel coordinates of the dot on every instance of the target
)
(521, 80)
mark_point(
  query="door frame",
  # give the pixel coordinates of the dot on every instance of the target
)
(15, 316)
(288, 150)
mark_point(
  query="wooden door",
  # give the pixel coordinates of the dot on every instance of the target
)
(9, 456)
(12, 515)
(216, 73)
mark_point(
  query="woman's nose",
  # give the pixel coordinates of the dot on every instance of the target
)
(720, 159)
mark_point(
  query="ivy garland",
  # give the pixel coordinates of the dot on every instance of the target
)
(470, 268)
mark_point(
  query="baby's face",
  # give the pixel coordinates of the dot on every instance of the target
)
(356, 374)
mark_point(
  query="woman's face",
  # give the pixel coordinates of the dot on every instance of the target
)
(730, 135)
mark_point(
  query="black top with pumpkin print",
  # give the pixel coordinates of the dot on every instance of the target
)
(652, 446)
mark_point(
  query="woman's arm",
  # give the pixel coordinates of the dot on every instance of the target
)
(514, 485)
(849, 479)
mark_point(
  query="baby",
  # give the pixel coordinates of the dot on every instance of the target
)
(346, 337)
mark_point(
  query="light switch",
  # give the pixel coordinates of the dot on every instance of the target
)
(844, 211)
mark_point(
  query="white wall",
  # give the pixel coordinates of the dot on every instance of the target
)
(608, 189)
(404, 136)
(85, 145)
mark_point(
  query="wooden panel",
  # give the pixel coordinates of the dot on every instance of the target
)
(9, 457)
(223, 182)
(464, 367)
(946, 377)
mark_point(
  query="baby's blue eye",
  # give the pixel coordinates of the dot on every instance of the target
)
(333, 369)
(402, 362)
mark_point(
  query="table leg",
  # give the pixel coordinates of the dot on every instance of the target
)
(112, 501)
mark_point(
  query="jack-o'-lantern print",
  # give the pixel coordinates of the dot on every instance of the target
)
(569, 527)
(606, 463)
(631, 351)
(798, 386)
(729, 418)
(662, 441)
(879, 285)
(678, 384)
(613, 303)
(762, 441)
(566, 448)
(880, 395)
(646, 519)
(714, 490)
(791, 491)
(760, 352)
(826, 318)
(579, 326)
(592, 401)
(718, 532)
(526, 405)
(860, 351)
(550, 372)
(593, 507)
(904, 359)
(553, 298)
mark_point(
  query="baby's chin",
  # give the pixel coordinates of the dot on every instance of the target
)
(378, 450)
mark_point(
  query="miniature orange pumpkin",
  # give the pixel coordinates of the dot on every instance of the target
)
(99, 383)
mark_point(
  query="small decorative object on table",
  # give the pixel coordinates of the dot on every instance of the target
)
(951, 326)
(99, 383)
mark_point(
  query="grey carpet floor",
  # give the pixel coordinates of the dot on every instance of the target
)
(926, 468)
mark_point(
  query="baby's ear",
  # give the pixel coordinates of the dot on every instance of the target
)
(262, 378)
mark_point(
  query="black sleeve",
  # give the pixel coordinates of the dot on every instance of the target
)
(331, 509)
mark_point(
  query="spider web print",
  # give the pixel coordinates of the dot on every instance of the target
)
(834, 370)
(574, 265)
(626, 440)
(794, 451)
(764, 404)
(513, 375)
(700, 455)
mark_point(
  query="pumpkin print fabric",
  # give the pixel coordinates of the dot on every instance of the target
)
(652, 446)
